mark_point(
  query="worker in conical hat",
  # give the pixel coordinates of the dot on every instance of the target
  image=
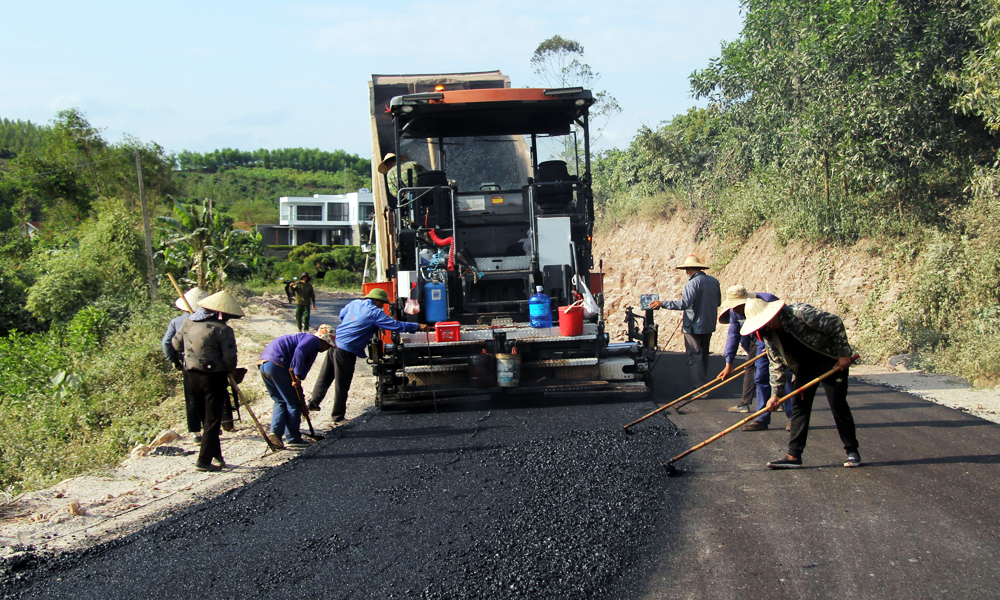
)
(209, 347)
(809, 342)
(194, 411)
(700, 302)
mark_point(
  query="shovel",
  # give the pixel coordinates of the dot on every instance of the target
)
(669, 465)
(738, 372)
(303, 406)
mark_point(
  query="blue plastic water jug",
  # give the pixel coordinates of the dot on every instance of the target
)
(540, 309)
(435, 302)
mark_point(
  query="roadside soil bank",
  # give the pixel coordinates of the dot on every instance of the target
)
(98, 507)
(641, 256)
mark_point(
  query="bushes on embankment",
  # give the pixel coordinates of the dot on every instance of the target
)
(841, 121)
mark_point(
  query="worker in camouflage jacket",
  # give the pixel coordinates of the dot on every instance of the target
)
(809, 342)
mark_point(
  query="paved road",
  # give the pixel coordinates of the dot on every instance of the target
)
(919, 520)
(552, 501)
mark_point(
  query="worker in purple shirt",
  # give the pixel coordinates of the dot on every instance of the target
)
(284, 363)
(358, 322)
(736, 299)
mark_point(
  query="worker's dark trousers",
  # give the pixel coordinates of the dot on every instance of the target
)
(327, 372)
(302, 317)
(835, 387)
(211, 390)
(195, 410)
(749, 386)
(344, 362)
(696, 348)
(763, 379)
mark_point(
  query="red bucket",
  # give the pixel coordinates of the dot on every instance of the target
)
(571, 320)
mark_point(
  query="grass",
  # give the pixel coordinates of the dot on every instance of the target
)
(109, 398)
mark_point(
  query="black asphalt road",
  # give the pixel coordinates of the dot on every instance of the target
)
(553, 501)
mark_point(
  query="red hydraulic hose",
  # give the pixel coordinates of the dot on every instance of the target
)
(445, 242)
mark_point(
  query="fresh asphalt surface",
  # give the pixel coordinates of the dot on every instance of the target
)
(552, 500)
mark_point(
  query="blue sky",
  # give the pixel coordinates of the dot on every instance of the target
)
(206, 75)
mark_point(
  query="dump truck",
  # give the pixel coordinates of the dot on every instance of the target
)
(490, 241)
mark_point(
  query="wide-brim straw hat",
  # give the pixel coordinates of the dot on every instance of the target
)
(735, 296)
(222, 302)
(327, 334)
(193, 296)
(758, 314)
(692, 262)
(384, 166)
(378, 294)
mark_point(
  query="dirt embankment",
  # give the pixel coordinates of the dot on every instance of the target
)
(640, 257)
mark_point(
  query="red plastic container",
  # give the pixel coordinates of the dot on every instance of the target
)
(447, 331)
(571, 320)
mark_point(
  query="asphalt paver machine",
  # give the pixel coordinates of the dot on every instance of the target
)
(464, 245)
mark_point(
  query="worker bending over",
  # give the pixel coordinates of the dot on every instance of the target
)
(809, 342)
(756, 376)
(283, 365)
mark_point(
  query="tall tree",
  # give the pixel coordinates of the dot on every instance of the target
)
(557, 62)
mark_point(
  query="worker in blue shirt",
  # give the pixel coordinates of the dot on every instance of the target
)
(736, 299)
(283, 365)
(358, 322)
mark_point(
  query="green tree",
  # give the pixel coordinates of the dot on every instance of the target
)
(557, 63)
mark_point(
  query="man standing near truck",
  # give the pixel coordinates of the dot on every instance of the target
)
(358, 322)
(700, 302)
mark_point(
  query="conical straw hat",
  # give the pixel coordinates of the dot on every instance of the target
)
(758, 314)
(193, 296)
(222, 302)
(692, 262)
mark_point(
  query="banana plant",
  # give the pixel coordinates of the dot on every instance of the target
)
(199, 239)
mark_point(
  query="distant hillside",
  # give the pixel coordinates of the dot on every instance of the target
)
(19, 135)
(250, 194)
(302, 159)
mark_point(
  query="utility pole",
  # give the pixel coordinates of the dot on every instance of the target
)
(150, 269)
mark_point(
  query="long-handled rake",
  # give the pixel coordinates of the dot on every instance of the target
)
(669, 465)
(714, 384)
(232, 381)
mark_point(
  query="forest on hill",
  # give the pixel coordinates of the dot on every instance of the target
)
(83, 377)
(845, 120)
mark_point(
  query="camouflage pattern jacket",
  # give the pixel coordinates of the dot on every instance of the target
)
(410, 169)
(819, 330)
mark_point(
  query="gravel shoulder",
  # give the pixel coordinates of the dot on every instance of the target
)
(91, 509)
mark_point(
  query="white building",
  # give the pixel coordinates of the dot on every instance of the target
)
(335, 220)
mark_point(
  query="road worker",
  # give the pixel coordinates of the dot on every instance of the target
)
(809, 342)
(208, 345)
(700, 302)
